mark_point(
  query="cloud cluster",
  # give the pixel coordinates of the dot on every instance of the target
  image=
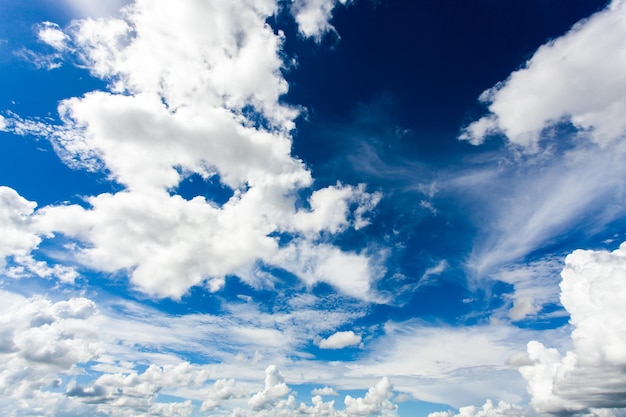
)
(578, 78)
(18, 238)
(489, 409)
(40, 341)
(276, 399)
(194, 89)
(74, 359)
(592, 375)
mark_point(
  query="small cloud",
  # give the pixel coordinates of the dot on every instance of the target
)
(324, 391)
(51, 34)
(340, 340)
(428, 206)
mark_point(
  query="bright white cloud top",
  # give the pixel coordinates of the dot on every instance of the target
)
(139, 297)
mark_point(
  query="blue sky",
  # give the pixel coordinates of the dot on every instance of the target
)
(313, 207)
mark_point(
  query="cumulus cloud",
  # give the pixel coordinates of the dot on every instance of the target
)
(340, 340)
(324, 391)
(19, 236)
(276, 399)
(275, 389)
(209, 106)
(578, 78)
(40, 341)
(222, 389)
(489, 409)
(351, 273)
(591, 375)
(438, 365)
(376, 401)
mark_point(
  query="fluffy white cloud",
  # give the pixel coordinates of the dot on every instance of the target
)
(51, 34)
(313, 16)
(194, 88)
(136, 392)
(340, 340)
(222, 389)
(275, 389)
(17, 238)
(275, 400)
(375, 403)
(40, 342)
(438, 365)
(324, 391)
(489, 409)
(591, 375)
(351, 273)
(578, 77)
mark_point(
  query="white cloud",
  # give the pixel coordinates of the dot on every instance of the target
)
(324, 391)
(313, 16)
(330, 209)
(180, 111)
(41, 341)
(489, 409)
(275, 389)
(51, 34)
(578, 77)
(275, 400)
(351, 273)
(591, 375)
(340, 340)
(438, 365)
(525, 204)
(19, 237)
(222, 389)
(375, 403)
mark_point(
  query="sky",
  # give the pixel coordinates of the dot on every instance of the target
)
(313, 207)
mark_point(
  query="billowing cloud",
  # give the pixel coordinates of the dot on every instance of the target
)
(210, 106)
(19, 237)
(376, 401)
(578, 78)
(340, 340)
(324, 391)
(40, 341)
(591, 375)
(275, 389)
(489, 409)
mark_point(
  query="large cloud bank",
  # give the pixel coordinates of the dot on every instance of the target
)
(194, 89)
(593, 374)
